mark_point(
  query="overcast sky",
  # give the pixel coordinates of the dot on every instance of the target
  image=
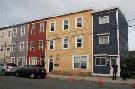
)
(18, 11)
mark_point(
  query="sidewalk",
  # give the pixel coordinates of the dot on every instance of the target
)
(92, 78)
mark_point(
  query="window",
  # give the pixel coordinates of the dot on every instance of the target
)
(33, 28)
(13, 60)
(14, 32)
(100, 61)
(1, 64)
(7, 48)
(79, 42)
(32, 46)
(103, 39)
(41, 45)
(65, 24)
(21, 61)
(22, 30)
(103, 19)
(9, 33)
(1, 48)
(21, 46)
(33, 61)
(79, 22)
(2, 34)
(80, 62)
(65, 43)
(52, 42)
(52, 27)
(13, 47)
(42, 27)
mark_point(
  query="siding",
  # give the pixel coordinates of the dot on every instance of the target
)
(19, 39)
(112, 47)
(111, 28)
(65, 55)
(123, 27)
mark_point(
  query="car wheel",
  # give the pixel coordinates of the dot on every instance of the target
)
(17, 74)
(32, 75)
(3, 72)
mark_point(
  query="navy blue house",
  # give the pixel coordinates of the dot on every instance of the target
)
(110, 40)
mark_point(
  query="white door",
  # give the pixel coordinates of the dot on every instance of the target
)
(112, 60)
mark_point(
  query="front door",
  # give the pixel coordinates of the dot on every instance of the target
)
(112, 60)
(50, 65)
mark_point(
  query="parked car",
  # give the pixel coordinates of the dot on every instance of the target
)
(7, 68)
(32, 71)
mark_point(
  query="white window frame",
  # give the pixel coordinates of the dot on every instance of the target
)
(12, 60)
(13, 47)
(100, 61)
(33, 25)
(41, 47)
(9, 33)
(42, 25)
(14, 32)
(22, 48)
(64, 25)
(77, 42)
(53, 44)
(1, 48)
(77, 22)
(2, 34)
(54, 26)
(87, 62)
(103, 22)
(22, 30)
(7, 46)
(22, 62)
(65, 43)
(100, 42)
(32, 58)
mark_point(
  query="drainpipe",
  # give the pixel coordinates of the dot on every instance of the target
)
(118, 59)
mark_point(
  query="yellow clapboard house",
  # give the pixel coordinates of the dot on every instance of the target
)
(69, 43)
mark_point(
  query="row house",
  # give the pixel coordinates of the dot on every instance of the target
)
(36, 42)
(110, 40)
(77, 43)
(19, 44)
(5, 43)
(69, 43)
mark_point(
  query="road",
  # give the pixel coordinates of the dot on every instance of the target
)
(11, 82)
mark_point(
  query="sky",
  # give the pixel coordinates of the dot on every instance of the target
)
(19, 11)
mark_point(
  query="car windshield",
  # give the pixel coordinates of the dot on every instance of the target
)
(11, 64)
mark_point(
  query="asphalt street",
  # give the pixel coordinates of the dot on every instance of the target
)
(12, 82)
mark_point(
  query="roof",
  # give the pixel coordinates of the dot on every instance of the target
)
(106, 9)
(72, 12)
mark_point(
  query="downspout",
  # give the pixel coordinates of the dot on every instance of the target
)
(92, 43)
(118, 59)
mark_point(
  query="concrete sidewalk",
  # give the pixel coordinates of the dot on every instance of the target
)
(92, 78)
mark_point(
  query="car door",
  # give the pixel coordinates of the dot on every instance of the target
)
(23, 71)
